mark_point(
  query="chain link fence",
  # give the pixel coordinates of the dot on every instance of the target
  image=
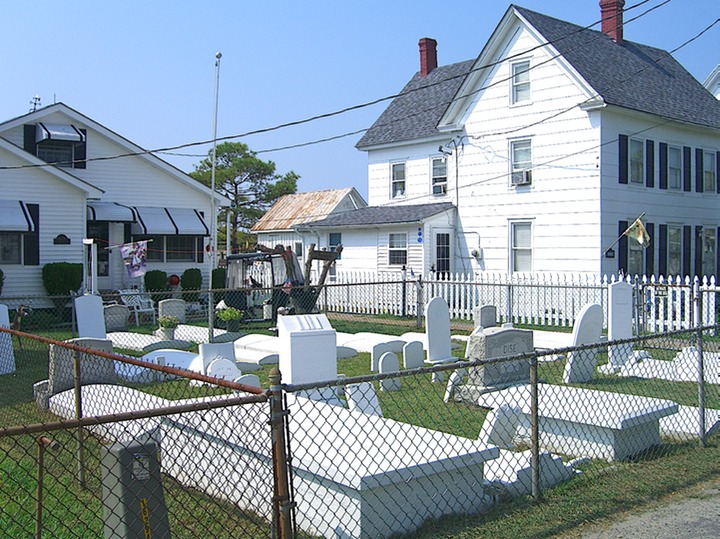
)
(105, 437)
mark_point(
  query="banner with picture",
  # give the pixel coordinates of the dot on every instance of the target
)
(135, 257)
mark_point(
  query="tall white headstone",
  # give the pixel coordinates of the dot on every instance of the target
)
(620, 319)
(90, 318)
(580, 365)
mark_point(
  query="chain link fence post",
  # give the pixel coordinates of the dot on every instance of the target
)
(534, 430)
(282, 504)
(701, 362)
(80, 434)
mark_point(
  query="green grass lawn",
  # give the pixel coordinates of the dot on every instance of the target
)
(601, 491)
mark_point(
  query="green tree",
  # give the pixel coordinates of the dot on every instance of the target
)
(249, 182)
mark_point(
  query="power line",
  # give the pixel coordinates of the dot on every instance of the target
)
(340, 111)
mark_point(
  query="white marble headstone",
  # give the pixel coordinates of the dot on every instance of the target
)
(580, 365)
(389, 363)
(90, 318)
(413, 355)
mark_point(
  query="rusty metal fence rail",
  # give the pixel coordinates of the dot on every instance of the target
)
(367, 454)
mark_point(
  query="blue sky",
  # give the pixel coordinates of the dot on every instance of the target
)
(146, 69)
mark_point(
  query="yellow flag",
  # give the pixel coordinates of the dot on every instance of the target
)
(637, 231)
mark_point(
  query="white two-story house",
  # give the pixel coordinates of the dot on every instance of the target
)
(538, 154)
(66, 178)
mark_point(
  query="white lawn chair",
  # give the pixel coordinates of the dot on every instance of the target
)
(138, 304)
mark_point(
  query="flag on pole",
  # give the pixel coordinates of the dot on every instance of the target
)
(135, 257)
(638, 232)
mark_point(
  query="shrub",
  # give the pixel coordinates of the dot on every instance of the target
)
(218, 279)
(2, 280)
(229, 313)
(191, 279)
(168, 321)
(156, 281)
(60, 279)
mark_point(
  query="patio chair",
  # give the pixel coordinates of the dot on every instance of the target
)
(138, 304)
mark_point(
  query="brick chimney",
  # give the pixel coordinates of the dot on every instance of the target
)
(428, 55)
(611, 12)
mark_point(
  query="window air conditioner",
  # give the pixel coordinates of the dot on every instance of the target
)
(521, 177)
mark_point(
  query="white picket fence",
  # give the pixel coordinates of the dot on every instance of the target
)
(542, 299)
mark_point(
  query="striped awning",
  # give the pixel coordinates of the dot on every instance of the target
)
(109, 211)
(69, 132)
(169, 221)
(14, 217)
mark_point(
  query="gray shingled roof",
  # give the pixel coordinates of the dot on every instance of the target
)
(416, 111)
(632, 76)
(382, 215)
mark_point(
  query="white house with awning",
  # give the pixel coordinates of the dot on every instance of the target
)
(66, 178)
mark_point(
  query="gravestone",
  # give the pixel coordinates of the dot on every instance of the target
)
(413, 355)
(485, 316)
(61, 369)
(377, 351)
(7, 355)
(580, 365)
(307, 353)
(620, 324)
(437, 332)
(494, 343)
(252, 380)
(89, 317)
(172, 307)
(116, 317)
(500, 426)
(389, 363)
(223, 368)
(361, 397)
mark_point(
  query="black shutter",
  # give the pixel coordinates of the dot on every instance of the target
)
(650, 250)
(650, 163)
(81, 152)
(623, 158)
(29, 143)
(662, 250)
(663, 157)
(687, 156)
(698, 250)
(698, 170)
(31, 240)
(622, 247)
(127, 237)
(717, 172)
(687, 244)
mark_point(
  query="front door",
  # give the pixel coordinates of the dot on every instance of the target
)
(100, 232)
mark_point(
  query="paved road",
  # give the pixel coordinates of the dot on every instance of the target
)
(693, 513)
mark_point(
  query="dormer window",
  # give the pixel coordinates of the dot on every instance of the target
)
(63, 145)
(520, 82)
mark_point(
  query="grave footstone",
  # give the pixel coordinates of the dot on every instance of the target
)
(580, 365)
(7, 355)
(389, 363)
(413, 355)
(223, 368)
(361, 397)
(495, 343)
(485, 316)
(377, 351)
(500, 426)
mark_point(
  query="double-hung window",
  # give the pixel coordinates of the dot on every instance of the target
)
(709, 172)
(439, 176)
(397, 188)
(709, 250)
(520, 161)
(334, 241)
(674, 250)
(674, 167)
(397, 249)
(521, 247)
(10, 248)
(637, 161)
(520, 81)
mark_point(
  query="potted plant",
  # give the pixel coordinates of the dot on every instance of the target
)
(166, 331)
(231, 316)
